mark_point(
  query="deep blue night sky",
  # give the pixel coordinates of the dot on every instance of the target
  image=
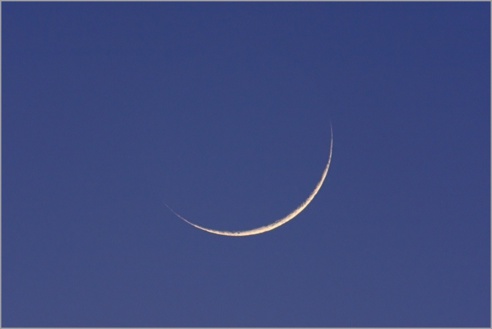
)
(223, 111)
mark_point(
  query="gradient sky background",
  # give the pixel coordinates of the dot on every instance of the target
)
(223, 110)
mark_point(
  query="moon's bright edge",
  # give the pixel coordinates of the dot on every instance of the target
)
(277, 223)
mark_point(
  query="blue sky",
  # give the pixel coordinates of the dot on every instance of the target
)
(222, 110)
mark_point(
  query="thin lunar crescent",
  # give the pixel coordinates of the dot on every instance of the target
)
(277, 223)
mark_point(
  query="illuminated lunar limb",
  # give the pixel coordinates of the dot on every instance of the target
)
(277, 223)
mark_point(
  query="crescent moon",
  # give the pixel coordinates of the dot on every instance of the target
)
(277, 223)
